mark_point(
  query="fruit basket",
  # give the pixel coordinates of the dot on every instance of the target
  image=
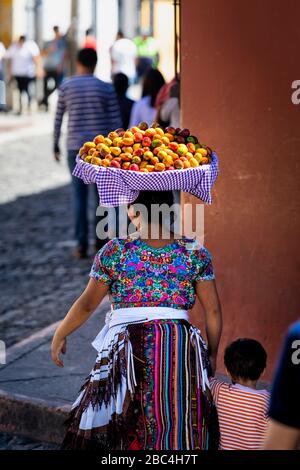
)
(146, 158)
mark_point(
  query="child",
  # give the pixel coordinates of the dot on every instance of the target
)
(242, 409)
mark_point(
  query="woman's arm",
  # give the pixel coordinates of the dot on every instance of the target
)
(208, 295)
(78, 314)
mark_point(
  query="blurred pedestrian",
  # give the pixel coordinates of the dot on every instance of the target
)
(90, 41)
(24, 66)
(169, 112)
(147, 53)
(2, 55)
(92, 108)
(55, 53)
(121, 83)
(284, 412)
(144, 109)
(123, 57)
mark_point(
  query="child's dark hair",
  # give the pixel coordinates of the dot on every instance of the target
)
(87, 57)
(245, 358)
(148, 198)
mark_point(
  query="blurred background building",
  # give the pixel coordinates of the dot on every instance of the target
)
(36, 18)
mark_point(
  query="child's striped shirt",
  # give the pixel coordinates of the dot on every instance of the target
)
(242, 415)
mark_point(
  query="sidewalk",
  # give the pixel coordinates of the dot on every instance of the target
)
(35, 395)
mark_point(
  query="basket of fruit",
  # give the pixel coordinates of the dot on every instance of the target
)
(146, 158)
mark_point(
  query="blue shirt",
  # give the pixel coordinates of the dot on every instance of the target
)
(92, 108)
(285, 395)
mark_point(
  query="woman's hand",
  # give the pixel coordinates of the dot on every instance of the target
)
(58, 346)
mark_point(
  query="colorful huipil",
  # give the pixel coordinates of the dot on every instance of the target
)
(148, 388)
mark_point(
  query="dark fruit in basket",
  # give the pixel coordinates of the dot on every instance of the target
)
(184, 133)
(170, 130)
(143, 126)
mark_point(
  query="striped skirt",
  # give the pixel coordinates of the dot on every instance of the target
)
(168, 410)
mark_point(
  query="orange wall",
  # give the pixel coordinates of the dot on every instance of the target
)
(238, 61)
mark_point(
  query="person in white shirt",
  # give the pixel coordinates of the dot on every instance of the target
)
(24, 56)
(144, 109)
(123, 57)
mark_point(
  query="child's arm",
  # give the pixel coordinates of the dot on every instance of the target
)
(78, 314)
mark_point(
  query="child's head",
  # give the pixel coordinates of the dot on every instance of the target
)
(245, 359)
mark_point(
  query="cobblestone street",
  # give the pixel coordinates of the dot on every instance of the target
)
(39, 278)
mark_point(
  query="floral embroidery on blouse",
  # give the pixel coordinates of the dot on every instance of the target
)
(142, 276)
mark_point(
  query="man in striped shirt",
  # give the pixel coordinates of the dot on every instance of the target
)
(242, 409)
(92, 109)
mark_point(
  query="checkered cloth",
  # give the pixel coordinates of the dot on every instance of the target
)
(116, 186)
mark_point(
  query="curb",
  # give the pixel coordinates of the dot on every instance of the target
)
(32, 418)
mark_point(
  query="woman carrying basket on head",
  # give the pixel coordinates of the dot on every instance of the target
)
(149, 387)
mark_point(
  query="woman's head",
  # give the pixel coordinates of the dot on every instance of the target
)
(152, 208)
(153, 82)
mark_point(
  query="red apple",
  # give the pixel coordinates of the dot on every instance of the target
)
(138, 137)
(134, 167)
(115, 164)
(146, 142)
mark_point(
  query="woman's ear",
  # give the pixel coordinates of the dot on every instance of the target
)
(134, 216)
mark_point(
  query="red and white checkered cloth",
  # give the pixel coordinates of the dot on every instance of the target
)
(116, 186)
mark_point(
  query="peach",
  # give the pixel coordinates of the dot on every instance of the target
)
(115, 164)
(170, 130)
(178, 164)
(146, 142)
(186, 164)
(136, 146)
(182, 149)
(162, 154)
(125, 165)
(134, 129)
(117, 142)
(193, 162)
(89, 145)
(107, 141)
(191, 147)
(113, 135)
(115, 151)
(165, 140)
(150, 168)
(147, 155)
(134, 167)
(138, 152)
(143, 126)
(159, 131)
(128, 134)
(202, 151)
(136, 159)
(126, 157)
(189, 155)
(106, 162)
(168, 161)
(81, 151)
(138, 137)
(127, 149)
(170, 137)
(204, 161)
(150, 132)
(91, 151)
(128, 141)
(88, 158)
(159, 167)
(99, 139)
(173, 146)
(143, 170)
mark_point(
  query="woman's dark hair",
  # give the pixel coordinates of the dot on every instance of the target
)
(149, 198)
(121, 83)
(87, 57)
(153, 82)
(245, 358)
